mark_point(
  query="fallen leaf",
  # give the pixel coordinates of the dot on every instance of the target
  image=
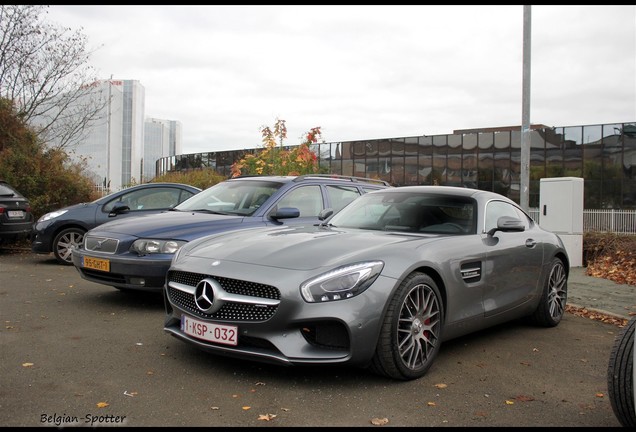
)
(245, 408)
(431, 404)
(102, 404)
(27, 364)
(379, 421)
(509, 402)
(131, 394)
(441, 386)
(522, 398)
(600, 395)
(214, 408)
(266, 417)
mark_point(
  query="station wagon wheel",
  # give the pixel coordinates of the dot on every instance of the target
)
(551, 307)
(64, 243)
(409, 339)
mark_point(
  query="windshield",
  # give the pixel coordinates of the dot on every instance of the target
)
(238, 197)
(409, 212)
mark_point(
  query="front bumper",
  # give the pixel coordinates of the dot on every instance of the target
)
(294, 332)
(144, 273)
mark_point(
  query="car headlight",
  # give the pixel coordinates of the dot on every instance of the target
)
(52, 215)
(341, 283)
(150, 246)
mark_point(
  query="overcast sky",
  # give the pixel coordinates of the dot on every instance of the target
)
(362, 72)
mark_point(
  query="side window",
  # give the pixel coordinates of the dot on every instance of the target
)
(340, 196)
(148, 199)
(185, 194)
(307, 199)
(497, 209)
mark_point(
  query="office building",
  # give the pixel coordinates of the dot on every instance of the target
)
(604, 155)
(161, 138)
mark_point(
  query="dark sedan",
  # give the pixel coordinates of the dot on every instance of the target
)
(16, 218)
(381, 284)
(62, 230)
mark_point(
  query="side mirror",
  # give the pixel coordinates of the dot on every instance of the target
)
(285, 213)
(325, 214)
(118, 208)
(508, 224)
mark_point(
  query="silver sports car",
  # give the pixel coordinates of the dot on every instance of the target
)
(380, 284)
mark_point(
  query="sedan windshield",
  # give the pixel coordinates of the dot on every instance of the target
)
(231, 197)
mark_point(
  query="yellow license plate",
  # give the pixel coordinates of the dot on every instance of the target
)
(96, 264)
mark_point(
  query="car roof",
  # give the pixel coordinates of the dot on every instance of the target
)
(449, 190)
(320, 178)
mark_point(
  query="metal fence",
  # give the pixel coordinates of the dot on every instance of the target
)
(602, 220)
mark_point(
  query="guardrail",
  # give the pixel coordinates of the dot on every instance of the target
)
(604, 220)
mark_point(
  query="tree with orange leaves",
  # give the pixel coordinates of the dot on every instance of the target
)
(275, 159)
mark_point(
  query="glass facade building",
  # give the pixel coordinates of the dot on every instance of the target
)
(604, 155)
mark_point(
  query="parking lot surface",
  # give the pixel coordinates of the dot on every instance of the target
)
(74, 353)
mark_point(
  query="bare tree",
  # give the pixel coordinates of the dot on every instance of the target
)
(44, 70)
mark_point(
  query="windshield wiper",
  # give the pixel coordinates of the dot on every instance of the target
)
(210, 211)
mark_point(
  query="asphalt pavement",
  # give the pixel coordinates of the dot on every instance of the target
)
(600, 295)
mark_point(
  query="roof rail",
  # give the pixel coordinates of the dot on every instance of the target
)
(343, 177)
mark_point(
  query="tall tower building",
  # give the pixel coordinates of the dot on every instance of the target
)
(113, 146)
(161, 138)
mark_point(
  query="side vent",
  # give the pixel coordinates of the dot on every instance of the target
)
(471, 272)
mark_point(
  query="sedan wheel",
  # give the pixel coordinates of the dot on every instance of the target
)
(410, 336)
(64, 243)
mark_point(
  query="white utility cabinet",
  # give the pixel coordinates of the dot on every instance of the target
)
(561, 211)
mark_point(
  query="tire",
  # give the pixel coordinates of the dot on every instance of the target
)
(410, 335)
(551, 307)
(64, 242)
(620, 375)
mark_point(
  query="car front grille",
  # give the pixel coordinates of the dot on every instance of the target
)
(101, 244)
(231, 311)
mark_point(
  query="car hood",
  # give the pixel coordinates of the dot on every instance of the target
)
(171, 225)
(305, 247)
(78, 206)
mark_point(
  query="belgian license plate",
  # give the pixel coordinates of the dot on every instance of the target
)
(16, 214)
(96, 264)
(217, 333)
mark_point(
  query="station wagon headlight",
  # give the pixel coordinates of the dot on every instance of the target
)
(341, 283)
(150, 246)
